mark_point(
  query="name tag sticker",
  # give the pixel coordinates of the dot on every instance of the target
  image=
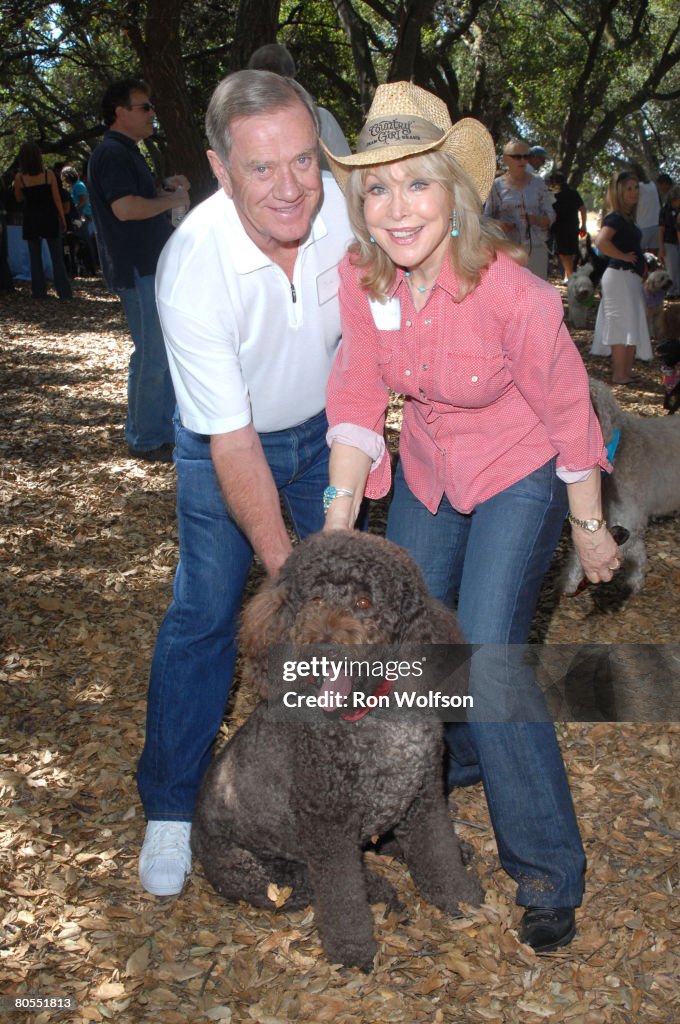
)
(386, 315)
(327, 285)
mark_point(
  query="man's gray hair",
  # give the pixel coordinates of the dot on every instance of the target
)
(249, 94)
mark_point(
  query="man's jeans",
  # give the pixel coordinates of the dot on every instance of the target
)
(38, 283)
(151, 397)
(494, 560)
(193, 663)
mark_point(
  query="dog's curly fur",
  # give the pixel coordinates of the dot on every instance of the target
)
(655, 286)
(580, 292)
(644, 482)
(294, 800)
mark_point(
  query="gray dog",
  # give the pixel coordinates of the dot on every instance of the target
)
(293, 799)
(645, 481)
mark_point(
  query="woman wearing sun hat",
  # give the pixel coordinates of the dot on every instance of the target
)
(523, 205)
(436, 306)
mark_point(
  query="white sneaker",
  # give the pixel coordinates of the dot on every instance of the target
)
(165, 860)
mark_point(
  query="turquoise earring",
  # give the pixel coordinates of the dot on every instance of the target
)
(454, 224)
(371, 239)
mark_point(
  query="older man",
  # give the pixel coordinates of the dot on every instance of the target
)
(132, 227)
(247, 295)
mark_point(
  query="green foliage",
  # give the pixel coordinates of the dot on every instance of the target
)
(596, 82)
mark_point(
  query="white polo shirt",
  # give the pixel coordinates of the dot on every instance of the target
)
(242, 344)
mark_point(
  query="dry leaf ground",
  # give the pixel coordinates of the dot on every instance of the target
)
(88, 551)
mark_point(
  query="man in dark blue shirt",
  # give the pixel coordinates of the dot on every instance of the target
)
(132, 227)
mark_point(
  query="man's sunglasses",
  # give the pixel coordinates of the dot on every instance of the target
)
(518, 156)
(146, 107)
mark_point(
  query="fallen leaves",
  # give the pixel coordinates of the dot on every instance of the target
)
(87, 556)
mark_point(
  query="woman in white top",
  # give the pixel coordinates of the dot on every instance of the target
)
(523, 205)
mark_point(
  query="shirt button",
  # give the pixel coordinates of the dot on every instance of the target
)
(408, 373)
(474, 379)
(428, 322)
(425, 366)
(408, 323)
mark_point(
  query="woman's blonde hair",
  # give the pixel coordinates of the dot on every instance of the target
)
(471, 252)
(614, 198)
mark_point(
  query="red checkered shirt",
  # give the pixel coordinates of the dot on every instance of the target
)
(494, 386)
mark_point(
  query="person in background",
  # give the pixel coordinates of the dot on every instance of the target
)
(537, 158)
(277, 58)
(523, 205)
(43, 218)
(669, 237)
(570, 221)
(82, 214)
(648, 207)
(664, 183)
(6, 280)
(248, 299)
(621, 326)
(499, 441)
(132, 225)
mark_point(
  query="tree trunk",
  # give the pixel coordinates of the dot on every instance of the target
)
(407, 54)
(160, 52)
(257, 23)
(355, 30)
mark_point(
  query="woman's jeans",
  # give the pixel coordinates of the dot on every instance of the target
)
(193, 663)
(494, 561)
(38, 282)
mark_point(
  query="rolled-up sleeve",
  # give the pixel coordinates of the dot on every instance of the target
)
(356, 395)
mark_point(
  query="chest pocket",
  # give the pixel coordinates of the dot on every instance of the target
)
(470, 381)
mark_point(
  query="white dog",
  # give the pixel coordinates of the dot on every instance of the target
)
(580, 294)
(645, 481)
(655, 287)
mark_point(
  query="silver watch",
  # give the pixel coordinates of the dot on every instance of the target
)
(591, 525)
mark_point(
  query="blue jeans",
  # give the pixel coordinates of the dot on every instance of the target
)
(151, 396)
(38, 282)
(193, 663)
(494, 561)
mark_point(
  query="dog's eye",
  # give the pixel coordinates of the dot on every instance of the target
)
(363, 603)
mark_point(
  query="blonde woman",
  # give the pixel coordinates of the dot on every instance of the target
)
(621, 327)
(498, 442)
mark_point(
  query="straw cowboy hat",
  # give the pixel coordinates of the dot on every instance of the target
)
(405, 120)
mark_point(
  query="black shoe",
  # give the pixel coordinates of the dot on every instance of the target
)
(161, 454)
(547, 928)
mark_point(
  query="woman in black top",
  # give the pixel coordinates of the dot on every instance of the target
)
(570, 217)
(621, 325)
(43, 217)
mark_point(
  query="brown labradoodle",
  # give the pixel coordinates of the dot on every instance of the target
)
(294, 798)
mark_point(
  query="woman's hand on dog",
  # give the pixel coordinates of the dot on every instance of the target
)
(598, 553)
